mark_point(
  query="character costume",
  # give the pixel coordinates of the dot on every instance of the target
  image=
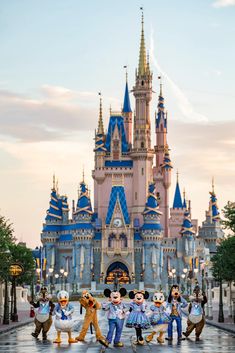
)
(175, 304)
(159, 318)
(137, 317)
(91, 306)
(116, 314)
(196, 318)
(43, 313)
(63, 317)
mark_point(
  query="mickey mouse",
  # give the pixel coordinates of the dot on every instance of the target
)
(116, 314)
(137, 317)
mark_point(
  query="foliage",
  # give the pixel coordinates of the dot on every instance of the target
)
(229, 214)
(10, 252)
(21, 254)
(224, 260)
(6, 239)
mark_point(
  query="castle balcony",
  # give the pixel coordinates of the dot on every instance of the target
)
(111, 252)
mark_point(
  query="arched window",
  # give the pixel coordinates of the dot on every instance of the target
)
(123, 238)
(111, 240)
(142, 144)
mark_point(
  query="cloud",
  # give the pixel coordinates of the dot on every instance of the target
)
(56, 115)
(185, 107)
(224, 3)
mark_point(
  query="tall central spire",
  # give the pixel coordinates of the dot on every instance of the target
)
(142, 55)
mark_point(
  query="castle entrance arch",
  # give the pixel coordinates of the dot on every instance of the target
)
(119, 270)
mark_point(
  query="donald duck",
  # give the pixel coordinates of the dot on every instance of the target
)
(63, 317)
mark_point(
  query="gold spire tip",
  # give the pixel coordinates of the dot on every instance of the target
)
(213, 184)
(53, 181)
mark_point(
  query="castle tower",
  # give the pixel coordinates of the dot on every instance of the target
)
(127, 114)
(188, 234)
(211, 230)
(176, 212)
(141, 153)
(83, 236)
(152, 237)
(162, 171)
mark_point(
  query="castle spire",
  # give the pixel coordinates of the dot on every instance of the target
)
(142, 53)
(53, 185)
(100, 130)
(184, 201)
(215, 214)
(187, 227)
(126, 102)
(177, 198)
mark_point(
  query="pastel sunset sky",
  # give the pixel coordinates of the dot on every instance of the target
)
(57, 55)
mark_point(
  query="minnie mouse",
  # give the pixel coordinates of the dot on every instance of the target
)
(116, 314)
(137, 317)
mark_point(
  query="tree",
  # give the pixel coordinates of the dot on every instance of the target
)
(21, 254)
(229, 214)
(224, 260)
(6, 240)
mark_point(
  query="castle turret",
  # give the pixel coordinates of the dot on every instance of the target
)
(127, 114)
(152, 236)
(188, 233)
(84, 233)
(141, 153)
(211, 230)
(100, 140)
(163, 168)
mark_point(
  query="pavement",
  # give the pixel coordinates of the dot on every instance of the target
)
(19, 340)
(23, 319)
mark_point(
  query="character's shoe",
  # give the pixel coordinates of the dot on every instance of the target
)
(185, 334)
(72, 340)
(160, 340)
(181, 339)
(197, 338)
(118, 344)
(34, 334)
(149, 338)
(141, 341)
(103, 342)
(57, 340)
(79, 339)
(170, 339)
(44, 337)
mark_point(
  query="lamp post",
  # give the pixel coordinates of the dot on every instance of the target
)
(65, 279)
(221, 311)
(56, 278)
(15, 270)
(61, 276)
(51, 277)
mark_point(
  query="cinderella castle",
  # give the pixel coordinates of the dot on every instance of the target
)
(133, 231)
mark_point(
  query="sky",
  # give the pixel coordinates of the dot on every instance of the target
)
(57, 55)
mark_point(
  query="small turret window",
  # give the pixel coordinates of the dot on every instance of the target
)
(142, 83)
(142, 144)
(142, 171)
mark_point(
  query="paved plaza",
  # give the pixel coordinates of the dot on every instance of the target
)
(21, 341)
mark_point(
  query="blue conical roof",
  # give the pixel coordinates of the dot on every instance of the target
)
(126, 103)
(215, 214)
(84, 202)
(55, 209)
(151, 212)
(177, 198)
(187, 227)
(117, 195)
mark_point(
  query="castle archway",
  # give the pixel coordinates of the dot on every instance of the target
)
(117, 269)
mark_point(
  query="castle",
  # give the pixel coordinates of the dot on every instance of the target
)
(131, 232)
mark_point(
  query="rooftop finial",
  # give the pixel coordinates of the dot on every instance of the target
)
(100, 130)
(57, 186)
(83, 174)
(54, 181)
(125, 67)
(160, 79)
(213, 185)
(177, 176)
(142, 56)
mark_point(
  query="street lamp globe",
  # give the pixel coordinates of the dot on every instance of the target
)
(185, 270)
(183, 275)
(65, 274)
(173, 270)
(170, 274)
(196, 270)
(61, 270)
(51, 270)
(38, 270)
(56, 275)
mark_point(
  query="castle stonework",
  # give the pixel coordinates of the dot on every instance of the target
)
(131, 232)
